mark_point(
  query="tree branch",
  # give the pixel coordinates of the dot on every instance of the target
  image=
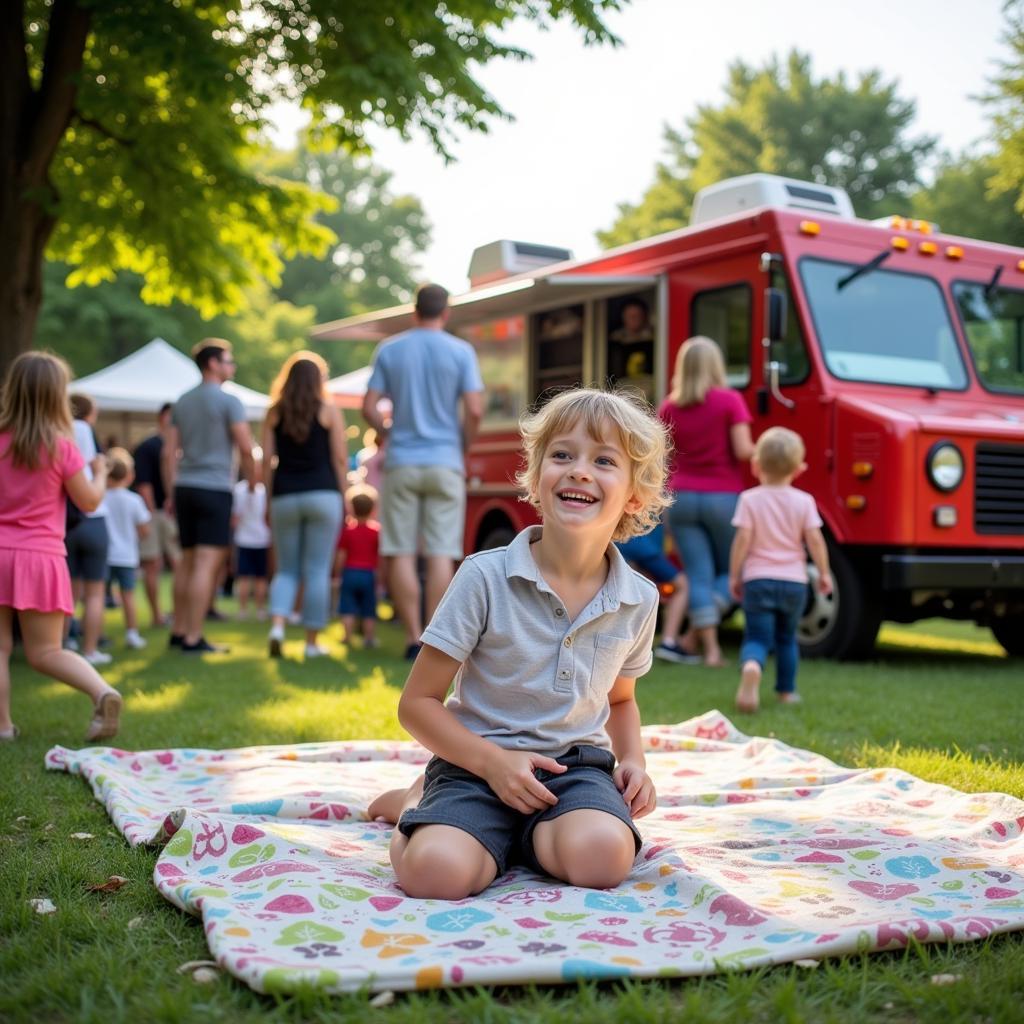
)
(14, 81)
(50, 110)
(102, 129)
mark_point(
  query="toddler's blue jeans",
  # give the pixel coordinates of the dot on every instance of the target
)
(772, 610)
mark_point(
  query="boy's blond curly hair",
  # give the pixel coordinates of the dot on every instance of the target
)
(779, 452)
(642, 436)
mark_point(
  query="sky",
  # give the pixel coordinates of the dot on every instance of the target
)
(589, 121)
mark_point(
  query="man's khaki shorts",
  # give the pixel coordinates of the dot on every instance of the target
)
(162, 539)
(427, 502)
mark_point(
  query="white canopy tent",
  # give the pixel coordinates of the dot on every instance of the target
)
(348, 390)
(131, 391)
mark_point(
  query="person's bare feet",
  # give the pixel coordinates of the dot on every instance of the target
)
(389, 806)
(748, 698)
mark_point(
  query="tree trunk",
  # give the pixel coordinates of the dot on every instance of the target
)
(32, 123)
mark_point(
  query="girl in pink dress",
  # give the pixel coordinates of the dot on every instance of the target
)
(40, 465)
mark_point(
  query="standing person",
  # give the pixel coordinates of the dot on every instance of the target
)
(207, 424)
(305, 434)
(426, 373)
(544, 640)
(768, 567)
(40, 465)
(252, 545)
(87, 542)
(161, 543)
(710, 430)
(356, 561)
(128, 519)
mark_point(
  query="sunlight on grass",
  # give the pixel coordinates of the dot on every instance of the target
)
(900, 637)
(959, 769)
(167, 698)
(368, 711)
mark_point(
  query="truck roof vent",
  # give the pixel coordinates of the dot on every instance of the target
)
(503, 258)
(734, 195)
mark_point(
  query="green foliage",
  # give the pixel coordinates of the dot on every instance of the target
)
(154, 174)
(969, 197)
(779, 119)
(1007, 105)
(370, 265)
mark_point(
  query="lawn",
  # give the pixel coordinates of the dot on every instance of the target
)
(940, 702)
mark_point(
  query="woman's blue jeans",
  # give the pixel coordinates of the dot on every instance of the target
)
(305, 528)
(701, 526)
(772, 610)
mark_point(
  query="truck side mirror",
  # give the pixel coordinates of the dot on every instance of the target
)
(776, 314)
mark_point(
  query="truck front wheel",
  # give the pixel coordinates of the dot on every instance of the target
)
(1009, 631)
(844, 624)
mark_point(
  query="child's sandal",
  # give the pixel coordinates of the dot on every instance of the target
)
(10, 735)
(106, 717)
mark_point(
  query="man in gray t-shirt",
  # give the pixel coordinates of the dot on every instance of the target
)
(428, 374)
(207, 424)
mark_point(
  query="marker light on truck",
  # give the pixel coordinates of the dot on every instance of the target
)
(928, 248)
(900, 243)
(810, 227)
(863, 469)
(944, 515)
(945, 466)
(954, 252)
(1020, 264)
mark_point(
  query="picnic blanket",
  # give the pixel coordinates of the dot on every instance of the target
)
(758, 853)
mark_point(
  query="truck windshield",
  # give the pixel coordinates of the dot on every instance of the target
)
(993, 320)
(883, 327)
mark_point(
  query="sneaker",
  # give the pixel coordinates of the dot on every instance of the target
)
(176, 640)
(411, 651)
(262, 615)
(675, 653)
(203, 646)
(105, 718)
(134, 641)
(215, 616)
(790, 697)
(295, 619)
(98, 658)
(316, 651)
(274, 641)
(71, 644)
(369, 645)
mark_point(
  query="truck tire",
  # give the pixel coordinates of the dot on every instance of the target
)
(1009, 631)
(845, 624)
(496, 537)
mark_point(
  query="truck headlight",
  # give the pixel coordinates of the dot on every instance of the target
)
(945, 466)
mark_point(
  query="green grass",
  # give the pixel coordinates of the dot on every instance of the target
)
(941, 702)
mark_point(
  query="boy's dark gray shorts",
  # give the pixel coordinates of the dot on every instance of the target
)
(453, 796)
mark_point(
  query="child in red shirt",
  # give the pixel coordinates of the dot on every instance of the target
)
(356, 560)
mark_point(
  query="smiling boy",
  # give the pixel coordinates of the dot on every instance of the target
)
(544, 640)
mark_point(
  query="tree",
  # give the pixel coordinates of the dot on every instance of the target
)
(779, 119)
(968, 198)
(1007, 106)
(125, 127)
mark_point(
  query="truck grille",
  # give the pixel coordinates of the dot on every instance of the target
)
(999, 488)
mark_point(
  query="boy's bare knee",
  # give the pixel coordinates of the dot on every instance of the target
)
(593, 851)
(443, 867)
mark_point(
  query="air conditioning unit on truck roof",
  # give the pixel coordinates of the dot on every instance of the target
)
(735, 195)
(504, 258)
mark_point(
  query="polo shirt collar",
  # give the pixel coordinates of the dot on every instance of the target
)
(621, 586)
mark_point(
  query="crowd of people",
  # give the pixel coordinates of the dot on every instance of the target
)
(308, 545)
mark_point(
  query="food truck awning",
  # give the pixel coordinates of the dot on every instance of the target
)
(517, 295)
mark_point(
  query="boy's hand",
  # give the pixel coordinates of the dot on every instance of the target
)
(99, 466)
(636, 787)
(825, 583)
(511, 777)
(736, 587)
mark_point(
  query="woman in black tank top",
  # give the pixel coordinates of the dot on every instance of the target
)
(304, 457)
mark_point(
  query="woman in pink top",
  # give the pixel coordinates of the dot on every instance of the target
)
(39, 465)
(710, 428)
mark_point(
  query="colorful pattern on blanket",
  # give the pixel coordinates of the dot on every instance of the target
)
(758, 853)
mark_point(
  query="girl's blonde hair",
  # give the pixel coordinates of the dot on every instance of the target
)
(699, 368)
(297, 391)
(779, 452)
(642, 436)
(34, 407)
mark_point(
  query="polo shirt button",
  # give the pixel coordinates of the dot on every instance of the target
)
(568, 641)
(559, 612)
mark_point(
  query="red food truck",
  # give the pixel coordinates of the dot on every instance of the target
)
(896, 351)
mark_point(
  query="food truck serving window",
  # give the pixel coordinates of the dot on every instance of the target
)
(993, 320)
(723, 315)
(882, 327)
(500, 350)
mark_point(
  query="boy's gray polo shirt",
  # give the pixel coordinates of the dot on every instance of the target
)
(531, 680)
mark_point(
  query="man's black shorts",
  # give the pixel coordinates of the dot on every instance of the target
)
(204, 516)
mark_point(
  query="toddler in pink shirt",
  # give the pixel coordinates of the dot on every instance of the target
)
(768, 565)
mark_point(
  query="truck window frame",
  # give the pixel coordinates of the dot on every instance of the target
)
(749, 293)
(991, 389)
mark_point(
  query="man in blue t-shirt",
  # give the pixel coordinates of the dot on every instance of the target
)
(427, 373)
